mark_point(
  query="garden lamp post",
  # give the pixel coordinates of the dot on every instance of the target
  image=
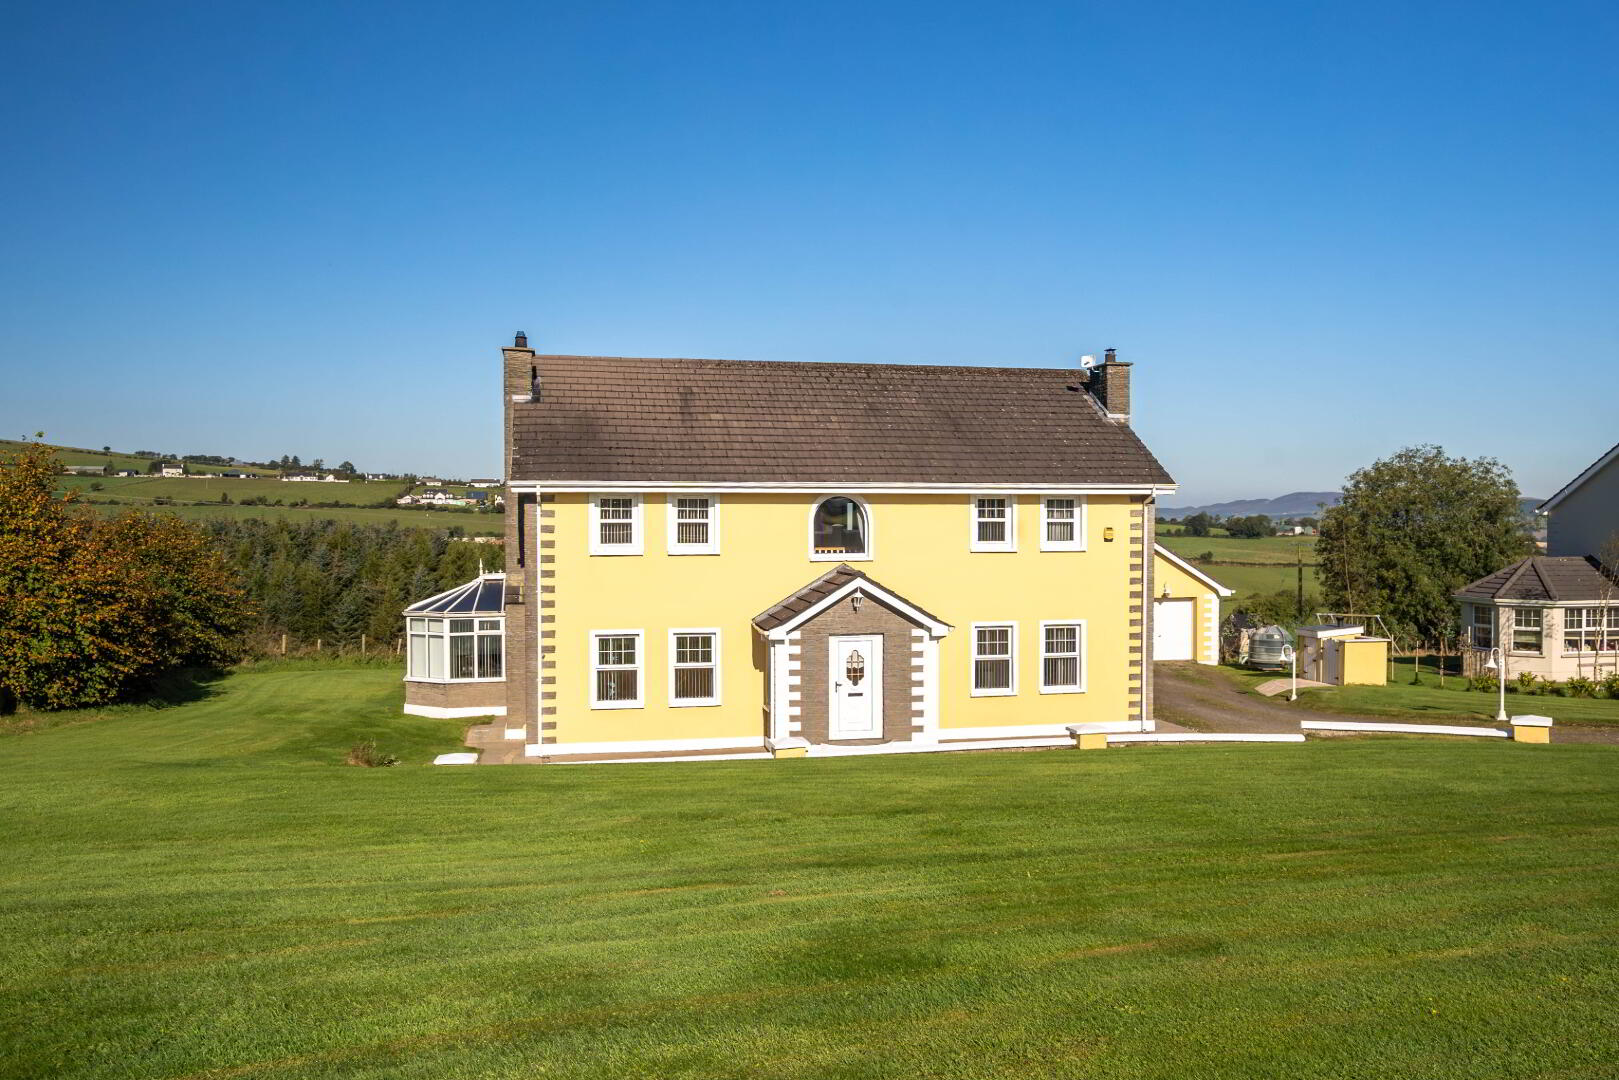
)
(1498, 664)
(1291, 655)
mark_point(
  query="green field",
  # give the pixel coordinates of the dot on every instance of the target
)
(209, 488)
(203, 891)
(1262, 565)
(79, 455)
(471, 524)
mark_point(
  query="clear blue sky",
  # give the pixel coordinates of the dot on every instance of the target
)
(1321, 231)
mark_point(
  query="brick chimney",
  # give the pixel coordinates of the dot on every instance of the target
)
(1110, 384)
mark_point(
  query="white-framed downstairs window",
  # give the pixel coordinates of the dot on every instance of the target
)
(616, 663)
(1583, 629)
(1527, 630)
(994, 523)
(1062, 523)
(456, 650)
(694, 525)
(1483, 627)
(1062, 657)
(615, 524)
(694, 667)
(994, 659)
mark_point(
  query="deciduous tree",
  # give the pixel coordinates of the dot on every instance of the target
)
(1411, 530)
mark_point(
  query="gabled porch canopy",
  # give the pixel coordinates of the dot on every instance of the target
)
(837, 584)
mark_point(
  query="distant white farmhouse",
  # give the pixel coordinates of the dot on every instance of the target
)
(172, 470)
(311, 478)
(483, 483)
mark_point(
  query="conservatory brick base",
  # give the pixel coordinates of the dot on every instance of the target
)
(450, 699)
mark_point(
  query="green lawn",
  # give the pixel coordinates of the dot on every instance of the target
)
(471, 524)
(202, 891)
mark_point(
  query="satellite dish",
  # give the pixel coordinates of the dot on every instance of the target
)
(1087, 362)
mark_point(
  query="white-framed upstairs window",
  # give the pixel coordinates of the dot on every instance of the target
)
(1062, 657)
(694, 525)
(994, 523)
(994, 671)
(615, 525)
(1483, 627)
(1528, 630)
(1062, 523)
(694, 667)
(840, 530)
(456, 650)
(617, 664)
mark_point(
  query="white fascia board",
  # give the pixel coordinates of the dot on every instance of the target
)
(1175, 560)
(831, 487)
(933, 626)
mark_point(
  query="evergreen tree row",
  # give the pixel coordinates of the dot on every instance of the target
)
(334, 581)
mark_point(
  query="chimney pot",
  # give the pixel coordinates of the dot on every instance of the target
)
(521, 341)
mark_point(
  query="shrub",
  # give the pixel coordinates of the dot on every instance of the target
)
(1483, 681)
(1207, 556)
(1526, 681)
(1610, 684)
(1551, 688)
(366, 755)
(1580, 686)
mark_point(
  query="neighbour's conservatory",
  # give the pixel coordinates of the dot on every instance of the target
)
(456, 651)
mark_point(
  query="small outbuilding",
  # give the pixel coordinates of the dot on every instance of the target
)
(455, 660)
(1342, 655)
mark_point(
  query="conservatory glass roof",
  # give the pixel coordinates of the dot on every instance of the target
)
(485, 595)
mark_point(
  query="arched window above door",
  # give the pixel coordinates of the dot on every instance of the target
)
(840, 529)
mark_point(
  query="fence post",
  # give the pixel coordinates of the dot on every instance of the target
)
(283, 644)
(317, 644)
(362, 644)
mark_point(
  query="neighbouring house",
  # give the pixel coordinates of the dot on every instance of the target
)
(1556, 616)
(378, 476)
(405, 500)
(1185, 610)
(312, 478)
(85, 470)
(126, 472)
(711, 558)
(475, 498)
(1583, 518)
(483, 483)
(171, 470)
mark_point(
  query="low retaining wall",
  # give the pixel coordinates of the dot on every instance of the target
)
(1403, 729)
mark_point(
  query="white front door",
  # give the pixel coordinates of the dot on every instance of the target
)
(1172, 629)
(855, 680)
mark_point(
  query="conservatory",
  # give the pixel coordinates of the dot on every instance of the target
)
(455, 655)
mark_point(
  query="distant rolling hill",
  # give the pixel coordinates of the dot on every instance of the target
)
(1295, 504)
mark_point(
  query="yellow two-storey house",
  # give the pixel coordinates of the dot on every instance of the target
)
(751, 559)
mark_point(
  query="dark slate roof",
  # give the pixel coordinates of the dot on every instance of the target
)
(635, 419)
(481, 596)
(1552, 578)
(818, 590)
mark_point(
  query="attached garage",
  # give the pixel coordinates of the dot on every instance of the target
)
(1185, 610)
(1174, 623)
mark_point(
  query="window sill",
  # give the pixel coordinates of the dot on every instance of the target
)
(1062, 689)
(994, 693)
(694, 551)
(425, 679)
(694, 704)
(997, 550)
(616, 551)
(611, 705)
(845, 556)
(1059, 547)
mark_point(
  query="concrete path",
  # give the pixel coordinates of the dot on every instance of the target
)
(1196, 697)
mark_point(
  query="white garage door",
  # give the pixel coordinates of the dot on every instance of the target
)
(1172, 629)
